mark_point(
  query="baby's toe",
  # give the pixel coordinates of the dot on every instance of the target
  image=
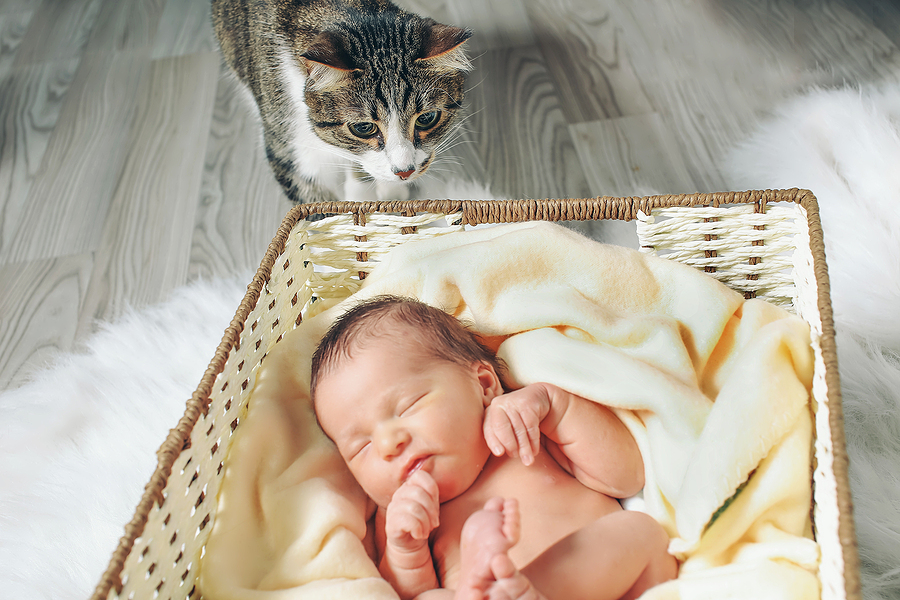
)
(510, 583)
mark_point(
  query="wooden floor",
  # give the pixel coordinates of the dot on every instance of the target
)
(130, 166)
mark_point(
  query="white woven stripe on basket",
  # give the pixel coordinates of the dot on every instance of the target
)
(336, 247)
(722, 240)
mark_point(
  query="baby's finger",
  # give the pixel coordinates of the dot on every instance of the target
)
(523, 438)
(533, 425)
(423, 489)
(503, 429)
(490, 436)
(408, 519)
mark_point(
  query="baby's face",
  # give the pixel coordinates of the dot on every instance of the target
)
(392, 411)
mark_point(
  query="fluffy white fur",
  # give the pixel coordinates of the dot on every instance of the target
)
(78, 443)
(845, 146)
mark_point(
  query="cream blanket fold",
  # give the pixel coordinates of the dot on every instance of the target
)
(714, 388)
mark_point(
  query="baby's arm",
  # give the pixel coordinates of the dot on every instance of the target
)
(410, 518)
(594, 445)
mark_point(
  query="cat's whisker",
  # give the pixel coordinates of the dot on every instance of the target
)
(476, 85)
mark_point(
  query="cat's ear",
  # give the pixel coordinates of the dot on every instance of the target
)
(328, 65)
(442, 49)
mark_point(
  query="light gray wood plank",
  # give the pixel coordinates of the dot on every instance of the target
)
(13, 26)
(885, 17)
(185, 28)
(842, 44)
(70, 195)
(31, 99)
(147, 236)
(439, 10)
(58, 30)
(241, 204)
(682, 40)
(586, 56)
(705, 127)
(39, 301)
(12, 6)
(125, 24)
(519, 141)
(631, 156)
(497, 24)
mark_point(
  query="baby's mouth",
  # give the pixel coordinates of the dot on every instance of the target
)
(414, 466)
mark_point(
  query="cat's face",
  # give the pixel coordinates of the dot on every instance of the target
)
(389, 102)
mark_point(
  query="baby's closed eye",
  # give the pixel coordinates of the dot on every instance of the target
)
(357, 449)
(407, 406)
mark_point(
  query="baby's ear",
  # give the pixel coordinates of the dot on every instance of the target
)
(488, 381)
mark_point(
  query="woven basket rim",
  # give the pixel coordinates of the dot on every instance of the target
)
(498, 211)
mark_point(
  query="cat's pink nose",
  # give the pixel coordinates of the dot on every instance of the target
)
(405, 174)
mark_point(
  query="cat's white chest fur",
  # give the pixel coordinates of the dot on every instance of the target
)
(333, 168)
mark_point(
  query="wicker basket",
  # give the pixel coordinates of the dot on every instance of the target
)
(758, 247)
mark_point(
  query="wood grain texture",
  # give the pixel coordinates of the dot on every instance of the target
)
(439, 10)
(70, 196)
(12, 6)
(58, 30)
(185, 28)
(632, 156)
(241, 204)
(587, 59)
(31, 99)
(147, 234)
(837, 41)
(39, 301)
(13, 26)
(520, 143)
(125, 25)
(497, 24)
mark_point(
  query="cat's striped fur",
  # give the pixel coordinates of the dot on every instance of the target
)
(354, 96)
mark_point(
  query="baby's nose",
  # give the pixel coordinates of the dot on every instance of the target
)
(390, 440)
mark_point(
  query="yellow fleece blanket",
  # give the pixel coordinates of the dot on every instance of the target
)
(714, 388)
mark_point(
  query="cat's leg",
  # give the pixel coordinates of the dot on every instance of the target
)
(358, 187)
(392, 190)
(298, 188)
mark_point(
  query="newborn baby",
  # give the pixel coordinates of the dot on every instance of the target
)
(480, 493)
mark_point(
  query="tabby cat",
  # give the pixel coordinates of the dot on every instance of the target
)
(355, 96)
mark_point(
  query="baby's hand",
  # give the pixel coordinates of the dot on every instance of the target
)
(412, 513)
(512, 422)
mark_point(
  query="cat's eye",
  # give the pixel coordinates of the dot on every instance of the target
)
(363, 130)
(428, 120)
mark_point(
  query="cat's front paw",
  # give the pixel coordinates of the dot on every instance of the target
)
(389, 191)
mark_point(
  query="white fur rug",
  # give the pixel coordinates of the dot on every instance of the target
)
(78, 443)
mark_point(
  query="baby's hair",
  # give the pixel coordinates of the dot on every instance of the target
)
(441, 335)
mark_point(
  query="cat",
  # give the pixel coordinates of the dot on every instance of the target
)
(355, 96)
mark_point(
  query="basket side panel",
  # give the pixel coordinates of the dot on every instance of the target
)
(164, 560)
(832, 515)
(746, 250)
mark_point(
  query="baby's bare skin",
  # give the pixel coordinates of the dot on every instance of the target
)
(434, 444)
(552, 503)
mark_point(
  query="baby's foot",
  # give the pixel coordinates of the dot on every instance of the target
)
(510, 584)
(486, 535)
